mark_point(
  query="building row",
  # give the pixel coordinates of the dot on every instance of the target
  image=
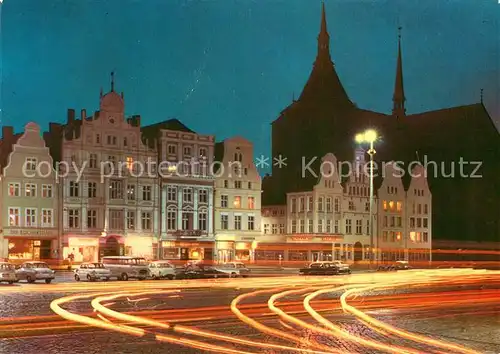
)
(104, 184)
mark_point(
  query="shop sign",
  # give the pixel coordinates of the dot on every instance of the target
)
(248, 238)
(187, 233)
(331, 238)
(188, 244)
(29, 232)
(301, 238)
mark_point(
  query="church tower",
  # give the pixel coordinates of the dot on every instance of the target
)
(398, 99)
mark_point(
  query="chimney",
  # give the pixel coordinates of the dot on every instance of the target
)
(71, 115)
(83, 114)
(7, 133)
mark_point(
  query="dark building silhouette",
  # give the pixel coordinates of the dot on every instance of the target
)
(324, 119)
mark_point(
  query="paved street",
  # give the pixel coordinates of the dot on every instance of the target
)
(434, 311)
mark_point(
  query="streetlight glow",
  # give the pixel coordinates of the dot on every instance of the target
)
(370, 136)
(360, 138)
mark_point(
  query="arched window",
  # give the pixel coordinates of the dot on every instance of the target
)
(203, 219)
(171, 218)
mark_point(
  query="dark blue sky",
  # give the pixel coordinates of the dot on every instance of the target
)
(228, 67)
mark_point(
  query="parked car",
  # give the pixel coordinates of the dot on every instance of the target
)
(398, 265)
(35, 270)
(161, 270)
(92, 272)
(234, 269)
(200, 271)
(325, 268)
(7, 273)
(125, 267)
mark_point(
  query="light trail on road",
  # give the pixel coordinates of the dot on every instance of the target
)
(284, 308)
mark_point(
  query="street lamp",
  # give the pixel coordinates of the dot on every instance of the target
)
(369, 136)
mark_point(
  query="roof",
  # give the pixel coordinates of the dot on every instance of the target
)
(171, 124)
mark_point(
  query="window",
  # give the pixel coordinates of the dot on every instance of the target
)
(172, 219)
(172, 150)
(73, 218)
(351, 205)
(328, 226)
(224, 222)
(92, 219)
(385, 221)
(367, 227)
(14, 189)
(419, 209)
(419, 222)
(74, 189)
(131, 192)
(294, 226)
(328, 205)
(384, 236)
(125, 141)
(130, 220)
(92, 189)
(399, 221)
(116, 219)
(309, 203)
(116, 189)
(249, 183)
(367, 206)
(337, 205)
(359, 227)
(203, 152)
(97, 138)
(146, 193)
(282, 229)
(294, 205)
(398, 206)
(30, 164)
(187, 150)
(30, 190)
(130, 163)
(426, 209)
(412, 222)
(393, 221)
(320, 204)
(14, 217)
(226, 183)
(237, 222)
(146, 221)
(385, 205)
(320, 226)
(93, 161)
(348, 226)
(47, 218)
(251, 203)
(203, 196)
(302, 205)
(251, 222)
(202, 221)
(187, 195)
(426, 237)
(237, 184)
(274, 229)
(426, 222)
(310, 227)
(237, 202)
(223, 201)
(171, 194)
(336, 230)
(302, 226)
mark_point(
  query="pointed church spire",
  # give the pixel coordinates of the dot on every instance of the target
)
(398, 98)
(112, 81)
(323, 39)
(101, 93)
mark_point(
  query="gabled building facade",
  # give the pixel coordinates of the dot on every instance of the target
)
(185, 167)
(109, 183)
(29, 198)
(238, 201)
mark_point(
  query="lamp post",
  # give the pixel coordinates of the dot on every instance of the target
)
(370, 136)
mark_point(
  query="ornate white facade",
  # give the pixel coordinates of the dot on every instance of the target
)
(110, 188)
(185, 162)
(238, 201)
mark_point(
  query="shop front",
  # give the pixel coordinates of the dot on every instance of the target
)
(29, 244)
(187, 250)
(81, 248)
(225, 251)
(111, 245)
(139, 246)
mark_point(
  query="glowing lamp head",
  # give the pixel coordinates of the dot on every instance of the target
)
(360, 138)
(370, 135)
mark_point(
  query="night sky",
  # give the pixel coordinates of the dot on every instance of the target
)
(228, 67)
